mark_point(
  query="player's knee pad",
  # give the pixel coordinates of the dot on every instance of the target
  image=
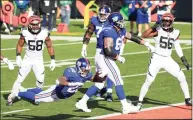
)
(40, 81)
(181, 77)
(99, 85)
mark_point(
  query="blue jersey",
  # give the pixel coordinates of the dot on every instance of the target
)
(117, 37)
(72, 76)
(98, 26)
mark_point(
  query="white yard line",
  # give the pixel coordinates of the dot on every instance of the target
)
(145, 109)
(15, 111)
(59, 63)
(125, 76)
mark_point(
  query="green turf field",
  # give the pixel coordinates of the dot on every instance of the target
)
(165, 89)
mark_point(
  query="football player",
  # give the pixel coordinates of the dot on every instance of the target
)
(67, 85)
(8, 62)
(34, 37)
(112, 37)
(96, 25)
(165, 36)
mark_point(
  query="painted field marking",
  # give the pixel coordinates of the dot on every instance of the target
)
(145, 109)
(59, 63)
(126, 76)
(15, 111)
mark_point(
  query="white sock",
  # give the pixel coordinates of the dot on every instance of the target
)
(123, 102)
(84, 99)
(109, 90)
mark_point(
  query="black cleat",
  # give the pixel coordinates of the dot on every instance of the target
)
(9, 100)
(109, 97)
(188, 102)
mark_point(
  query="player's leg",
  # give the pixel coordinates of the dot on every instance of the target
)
(48, 95)
(82, 104)
(38, 69)
(153, 68)
(110, 84)
(23, 72)
(115, 76)
(173, 68)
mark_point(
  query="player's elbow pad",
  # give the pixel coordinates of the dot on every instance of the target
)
(136, 39)
(108, 52)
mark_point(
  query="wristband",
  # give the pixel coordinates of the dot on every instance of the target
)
(52, 56)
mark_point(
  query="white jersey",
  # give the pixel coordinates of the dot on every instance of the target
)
(34, 42)
(164, 41)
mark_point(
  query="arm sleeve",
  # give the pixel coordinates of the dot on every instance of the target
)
(178, 48)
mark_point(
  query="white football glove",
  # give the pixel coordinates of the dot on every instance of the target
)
(122, 48)
(149, 47)
(57, 82)
(52, 65)
(75, 84)
(102, 73)
(18, 61)
(84, 52)
(121, 59)
(9, 63)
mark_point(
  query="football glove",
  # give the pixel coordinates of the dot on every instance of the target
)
(185, 62)
(9, 63)
(99, 78)
(18, 61)
(122, 49)
(121, 59)
(52, 65)
(84, 52)
(149, 47)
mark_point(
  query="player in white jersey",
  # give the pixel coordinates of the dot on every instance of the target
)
(165, 37)
(34, 37)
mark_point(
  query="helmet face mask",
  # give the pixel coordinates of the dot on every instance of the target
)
(103, 13)
(117, 20)
(83, 67)
(34, 25)
(167, 21)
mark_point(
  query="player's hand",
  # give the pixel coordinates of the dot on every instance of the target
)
(149, 47)
(18, 60)
(157, 24)
(102, 73)
(52, 65)
(185, 62)
(121, 59)
(9, 63)
(84, 52)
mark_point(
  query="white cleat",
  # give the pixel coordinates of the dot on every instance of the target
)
(129, 108)
(139, 106)
(82, 106)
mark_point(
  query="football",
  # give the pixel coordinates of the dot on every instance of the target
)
(98, 79)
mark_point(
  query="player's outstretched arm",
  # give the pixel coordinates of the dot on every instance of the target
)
(86, 39)
(180, 53)
(51, 52)
(19, 48)
(108, 49)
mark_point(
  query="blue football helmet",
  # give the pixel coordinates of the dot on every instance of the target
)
(83, 67)
(104, 12)
(116, 19)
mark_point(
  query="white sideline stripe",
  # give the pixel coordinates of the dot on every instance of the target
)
(126, 76)
(145, 109)
(73, 59)
(15, 111)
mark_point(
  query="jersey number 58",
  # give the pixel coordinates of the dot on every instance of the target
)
(37, 46)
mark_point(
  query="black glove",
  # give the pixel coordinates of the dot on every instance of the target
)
(155, 26)
(185, 62)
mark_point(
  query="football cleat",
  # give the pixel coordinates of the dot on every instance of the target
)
(36, 103)
(129, 108)
(139, 105)
(82, 106)
(109, 97)
(10, 100)
(188, 102)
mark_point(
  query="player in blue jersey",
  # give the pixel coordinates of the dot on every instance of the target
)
(67, 85)
(112, 37)
(96, 25)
